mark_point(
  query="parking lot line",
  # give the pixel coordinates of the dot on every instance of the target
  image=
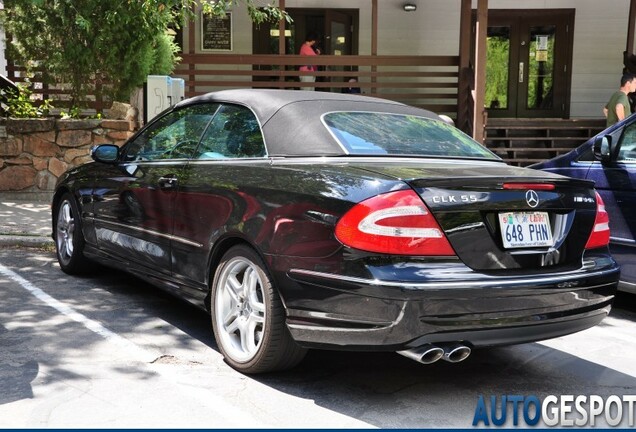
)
(72, 314)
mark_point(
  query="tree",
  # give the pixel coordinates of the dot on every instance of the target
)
(109, 47)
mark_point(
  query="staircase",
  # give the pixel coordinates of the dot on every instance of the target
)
(526, 141)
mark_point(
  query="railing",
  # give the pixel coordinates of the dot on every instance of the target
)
(429, 82)
(59, 94)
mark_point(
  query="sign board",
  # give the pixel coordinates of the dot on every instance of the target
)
(216, 32)
(542, 42)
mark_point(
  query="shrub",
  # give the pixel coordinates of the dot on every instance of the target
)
(20, 104)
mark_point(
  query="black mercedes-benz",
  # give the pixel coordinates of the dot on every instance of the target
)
(320, 220)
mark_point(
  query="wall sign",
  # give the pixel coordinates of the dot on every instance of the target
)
(216, 32)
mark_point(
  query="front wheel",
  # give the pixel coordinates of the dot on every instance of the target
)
(69, 239)
(248, 317)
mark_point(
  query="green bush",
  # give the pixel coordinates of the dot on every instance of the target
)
(106, 48)
(20, 104)
(165, 55)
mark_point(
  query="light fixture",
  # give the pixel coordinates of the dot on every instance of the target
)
(410, 7)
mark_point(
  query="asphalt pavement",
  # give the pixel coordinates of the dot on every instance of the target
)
(26, 220)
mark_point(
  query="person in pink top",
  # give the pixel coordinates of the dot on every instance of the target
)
(307, 49)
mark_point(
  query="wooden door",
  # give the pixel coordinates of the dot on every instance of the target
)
(529, 62)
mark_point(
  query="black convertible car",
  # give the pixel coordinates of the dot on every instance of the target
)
(320, 220)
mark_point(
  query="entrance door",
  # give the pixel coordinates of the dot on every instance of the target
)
(339, 33)
(338, 40)
(529, 59)
(336, 30)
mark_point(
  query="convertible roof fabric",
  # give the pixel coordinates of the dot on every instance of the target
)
(291, 119)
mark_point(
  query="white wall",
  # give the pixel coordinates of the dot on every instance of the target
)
(600, 37)
(433, 29)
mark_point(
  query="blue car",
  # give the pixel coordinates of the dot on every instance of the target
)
(609, 159)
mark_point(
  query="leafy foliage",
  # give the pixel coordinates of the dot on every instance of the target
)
(498, 52)
(20, 104)
(87, 44)
(165, 55)
(73, 113)
(258, 14)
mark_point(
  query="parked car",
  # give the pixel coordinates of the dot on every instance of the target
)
(609, 159)
(321, 220)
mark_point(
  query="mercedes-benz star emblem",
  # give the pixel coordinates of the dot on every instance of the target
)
(532, 198)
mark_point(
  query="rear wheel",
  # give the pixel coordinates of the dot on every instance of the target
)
(248, 316)
(69, 239)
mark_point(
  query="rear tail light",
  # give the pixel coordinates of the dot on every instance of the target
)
(600, 233)
(393, 223)
(526, 186)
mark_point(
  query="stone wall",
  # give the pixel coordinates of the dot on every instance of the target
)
(35, 152)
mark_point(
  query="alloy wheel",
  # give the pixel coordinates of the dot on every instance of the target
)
(65, 231)
(240, 309)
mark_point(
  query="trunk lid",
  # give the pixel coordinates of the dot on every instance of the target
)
(497, 217)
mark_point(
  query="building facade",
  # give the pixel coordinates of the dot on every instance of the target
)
(545, 58)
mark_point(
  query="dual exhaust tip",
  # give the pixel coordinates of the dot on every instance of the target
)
(427, 354)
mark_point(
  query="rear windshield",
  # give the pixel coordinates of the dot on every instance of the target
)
(372, 133)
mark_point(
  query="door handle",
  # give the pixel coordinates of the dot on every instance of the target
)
(521, 72)
(168, 182)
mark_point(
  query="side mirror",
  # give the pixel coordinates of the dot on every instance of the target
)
(603, 148)
(105, 153)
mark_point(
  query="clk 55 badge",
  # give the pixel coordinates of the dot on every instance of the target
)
(442, 199)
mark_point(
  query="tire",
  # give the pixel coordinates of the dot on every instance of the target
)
(69, 239)
(248, 317)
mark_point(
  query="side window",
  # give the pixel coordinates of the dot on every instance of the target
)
(587, 156)
(233, 133)
(627, 152)
(174, 136)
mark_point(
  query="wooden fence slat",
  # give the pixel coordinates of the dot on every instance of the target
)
(425, 81)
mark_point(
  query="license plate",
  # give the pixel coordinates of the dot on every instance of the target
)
(525, 229)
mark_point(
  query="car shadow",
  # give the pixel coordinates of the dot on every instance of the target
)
(15, 376)
(388, 390)
(380, 389)
(146, 299)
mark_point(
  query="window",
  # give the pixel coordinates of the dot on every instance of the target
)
(586, 156)
(627, 152)
(370, 133)
(233, 133)
(174, 136)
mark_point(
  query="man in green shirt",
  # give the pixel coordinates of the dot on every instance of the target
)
(618, 106)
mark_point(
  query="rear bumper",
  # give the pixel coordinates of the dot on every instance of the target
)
(354, 313)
